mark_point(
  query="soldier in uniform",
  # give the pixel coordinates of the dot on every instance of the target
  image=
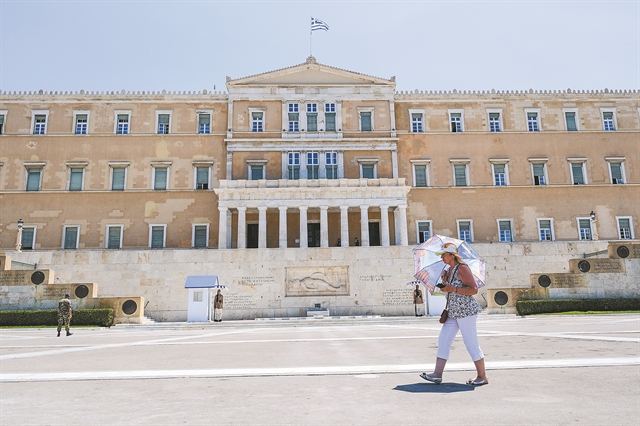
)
(218, 301)
(418, 302)
(65, 312)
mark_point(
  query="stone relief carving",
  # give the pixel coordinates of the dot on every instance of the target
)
(317, 281)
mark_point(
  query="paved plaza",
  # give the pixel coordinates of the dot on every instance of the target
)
(542, 370)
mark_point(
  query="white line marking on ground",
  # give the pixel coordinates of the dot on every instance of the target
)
(310, 371)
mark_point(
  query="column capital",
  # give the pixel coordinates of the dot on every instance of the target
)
(283, 208)
(241, 209)
(262, 208)
(384, 207)
(324, 207)
(402, 206)
(344, 208)
(223, 208)
(364, 207)
(305, 208)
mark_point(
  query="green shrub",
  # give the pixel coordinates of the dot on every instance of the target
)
(102, 317)
(529, 307)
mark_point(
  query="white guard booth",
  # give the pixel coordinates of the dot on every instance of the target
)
(436, 303)
(200, 290)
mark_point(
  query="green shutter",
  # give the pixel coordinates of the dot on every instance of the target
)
(312, 122)
(157, 237)
(27, 238)
(160, 181)
(33, 179)
(118, 179)
(75, 179)
(330, 119)
(571, 121)
(460, 174)
(114, 237)
(365, 121)
(421, 175)
(578, 176)
(200, 236)
(70, 237)
(204, 119)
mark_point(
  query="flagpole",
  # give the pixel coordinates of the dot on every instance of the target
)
(310, 34)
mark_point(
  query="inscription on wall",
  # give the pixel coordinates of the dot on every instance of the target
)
(238, 301)
(12, 278)
(255, 281)
(395, 297)
(597, 265)
(374, 278)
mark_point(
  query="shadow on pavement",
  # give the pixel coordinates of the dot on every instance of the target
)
(433, 388)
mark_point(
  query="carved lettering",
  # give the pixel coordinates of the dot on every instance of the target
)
(374, 278)
(256, 280)
(238, 301)
(396, 297)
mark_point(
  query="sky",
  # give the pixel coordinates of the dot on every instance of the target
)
(146, 45)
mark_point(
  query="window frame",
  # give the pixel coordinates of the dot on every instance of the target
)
(202, 164)
(169, 126)
(70, 167)
(511, 230)
(418, 222)
(33, 166)
(543, 162)
(577, 117)
(421, 162)
(460, 162)
(503, 162)
(551, 228)
(587, 218)
(3, 125)
(35, 113)
(368, 161)
(252, 163)
(200, 112)
(422, 120)
(456, 111)
(106, 242)
(471, 233)
(614, 119)
(616, 160)
(583, 166)
(76, 113)
(293, 107)
(536, 111)
(33, 237)
(330, 165)
(193, 234)
(164, 235)
(64, 236)
(116, 113)
(118, 165)
(500, 119)
(370, 110)
(160, 165)
(262, 121)
(631, 231)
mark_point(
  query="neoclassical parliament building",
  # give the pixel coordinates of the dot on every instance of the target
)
(310, 166)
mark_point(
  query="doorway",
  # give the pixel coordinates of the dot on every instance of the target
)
(252, 235)
(374, 233)
(313, 234)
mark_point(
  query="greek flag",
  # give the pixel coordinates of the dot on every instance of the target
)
(317, 24)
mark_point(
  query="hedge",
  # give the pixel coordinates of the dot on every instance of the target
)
(102, 317)
(530, 307)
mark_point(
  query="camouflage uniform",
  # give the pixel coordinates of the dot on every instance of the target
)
(64, 315)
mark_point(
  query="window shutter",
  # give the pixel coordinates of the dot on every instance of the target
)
(460, 174)
(365, 121)
(33, 180)
(616, 172)
(576, 169)
(114, 237)
(70, 237)
(571, 121)
(202, 178)
(118, 179)
(204, 119)
(421, 175)
(157, 237)
(75, 180)
(27, 238)
(330, 120)
(312, 122)
(200, 236)
(160, 182)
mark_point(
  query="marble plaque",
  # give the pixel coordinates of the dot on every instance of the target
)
(568, 280)
(14, 278)
(317, 281)
(590, 266)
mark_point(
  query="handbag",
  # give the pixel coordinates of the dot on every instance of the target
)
(445, 313)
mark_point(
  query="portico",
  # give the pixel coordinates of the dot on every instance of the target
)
(322, 208)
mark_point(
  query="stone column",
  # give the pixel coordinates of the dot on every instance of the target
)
(303, 165)
(262, 227)
(285, 165)
(322, 165)
(229, 121)
(242, 227)
(283, 227)
(222, 228)
(364, 226)
(402, 218)
(340, 164)
(384, 225)
(394, 162)
(324, 227)
(344, 226)
(229, 164)
(304, 240)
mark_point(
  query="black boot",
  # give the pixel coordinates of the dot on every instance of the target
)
(58, 333)
(69, 333)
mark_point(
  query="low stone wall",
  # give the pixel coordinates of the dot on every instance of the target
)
(266, 283)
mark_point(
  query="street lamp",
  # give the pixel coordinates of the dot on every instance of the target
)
(19, 238)
(592, 215)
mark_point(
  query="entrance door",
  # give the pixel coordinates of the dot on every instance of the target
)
(374, 233)
(313, 234)
(252, 235)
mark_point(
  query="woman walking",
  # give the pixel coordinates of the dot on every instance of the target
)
(463, 313)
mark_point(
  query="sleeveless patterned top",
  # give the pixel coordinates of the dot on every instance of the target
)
(461, 305)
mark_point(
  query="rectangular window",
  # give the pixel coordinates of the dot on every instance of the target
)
(39, 124)
(532, 122)
(420, 174)
(34, 176)
(156, 237)
(82, 121)
(539, 174)
(122, 124)
(70, 238)
(416, 123)
(160, 175)
(365, 121)
(577, 173)
(118, 177)
(494, 122)
(499, 175)
(202, 177)
(293, 165)
(570, 121)
(294, 118)
(615, 168)
(257, 172)
(204, 123)
(163, 123)
(313, 165)
(312, 117)
(464, 231)
(330, 117)
(424, 231)
(256, 122)
(331, 165)
(114, 237)
(545, 230)
(200, 236)
(2, 124)
(368, 171)
(584, 226)
(460, 174)
(625, 231)
(76, 175)
(456, 121)
(28, 238)
(504, 229)
(607, 121)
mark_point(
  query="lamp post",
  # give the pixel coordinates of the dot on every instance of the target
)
(594, 229)
(19, 238)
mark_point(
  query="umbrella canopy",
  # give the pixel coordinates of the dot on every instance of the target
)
(429, 265)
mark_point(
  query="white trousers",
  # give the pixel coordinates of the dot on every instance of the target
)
(467, 327)
(419, 308)
(217, 314)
